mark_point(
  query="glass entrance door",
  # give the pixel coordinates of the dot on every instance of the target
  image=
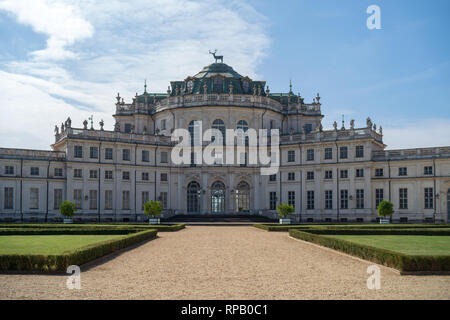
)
(193, 197)
(218, 197)
(243, 197)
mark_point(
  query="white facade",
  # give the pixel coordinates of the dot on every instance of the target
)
(325, 183)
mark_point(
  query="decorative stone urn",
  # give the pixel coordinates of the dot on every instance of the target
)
(285, 221)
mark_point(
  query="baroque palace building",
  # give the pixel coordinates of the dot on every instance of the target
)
(328, 175)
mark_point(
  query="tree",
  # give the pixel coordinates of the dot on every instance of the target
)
(285, 210)
(67, 208)
(152, 208)
(385, 209)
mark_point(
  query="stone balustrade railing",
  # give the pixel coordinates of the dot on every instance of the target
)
(32, 154)
(411, 153)
(331, 135)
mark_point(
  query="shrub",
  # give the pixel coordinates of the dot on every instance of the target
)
(385, 209)
(285, 210)
(152, 208)
(67, 208)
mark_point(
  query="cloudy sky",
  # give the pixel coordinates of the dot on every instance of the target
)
(61, 58)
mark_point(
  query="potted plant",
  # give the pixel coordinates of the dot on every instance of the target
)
(68, 210)
(153, 209)
(385, 209)
(285, 210)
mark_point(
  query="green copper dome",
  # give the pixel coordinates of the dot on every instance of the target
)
(217, 68)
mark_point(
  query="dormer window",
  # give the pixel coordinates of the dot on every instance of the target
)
(246, 86)
(190, 86)
(218, 84)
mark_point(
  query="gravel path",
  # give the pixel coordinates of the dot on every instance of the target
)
(226, 263)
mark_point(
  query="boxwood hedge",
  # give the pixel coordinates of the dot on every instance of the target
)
(59, 263)
(404, 263)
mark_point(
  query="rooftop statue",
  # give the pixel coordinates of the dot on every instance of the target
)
(216, 57)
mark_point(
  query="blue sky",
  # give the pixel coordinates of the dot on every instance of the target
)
(61, 58)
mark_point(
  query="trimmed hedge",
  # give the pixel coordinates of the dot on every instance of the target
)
(61, 231)
(363, 228)
(59, 263)
(400, 261)
(159, 227)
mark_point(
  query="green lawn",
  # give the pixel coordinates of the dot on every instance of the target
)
(48, 244)
(414, 245)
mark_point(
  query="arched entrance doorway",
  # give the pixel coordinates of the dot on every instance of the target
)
(193, 197)
(448, 206)
(218, 197)
(243, 197)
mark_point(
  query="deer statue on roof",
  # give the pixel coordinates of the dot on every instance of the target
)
(216, 57)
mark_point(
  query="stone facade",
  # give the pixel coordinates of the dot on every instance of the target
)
(329, 175)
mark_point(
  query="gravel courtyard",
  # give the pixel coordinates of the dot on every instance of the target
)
(213, 262)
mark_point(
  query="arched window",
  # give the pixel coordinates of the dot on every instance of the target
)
(218, 84)
(193, 197)
(219, 125)
(243, 125)
(194, 132)
(218, 197)
(243, 197)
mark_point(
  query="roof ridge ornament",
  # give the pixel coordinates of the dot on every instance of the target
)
(216, 57)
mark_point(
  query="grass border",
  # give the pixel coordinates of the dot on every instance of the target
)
(59, 263)
(402, 262)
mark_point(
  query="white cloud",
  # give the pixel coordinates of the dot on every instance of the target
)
(97, 48)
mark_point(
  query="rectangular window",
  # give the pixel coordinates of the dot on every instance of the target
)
(359, 152)
(428, 170)
(126, 200)
(127, 127)
(359, 198)
(108, 154)
(310, 155)
(57, 198)
(403, 171)
(359, 173)
(9, 170)
(163, 199)
(58, 172)
(273, 200)
(344, 174)
(145, 176)
(328, 199)
(163, 176)
(308, 128)
(379, 172)
(328, 174)
(92, 174)
(145, 156)
(34, 198)
(291, 198)
(77, 198)
(108, 174)
(92, 199)
(291, 176)
(93, 152)
(344, 199)
(310, 200)
(428, 193)
(125, 175)
(291, 156)
(108, 199)
(34, 171)
(343, 152)
(78, 152)
(163, 124)
(164, 157)
(310, 175)
(126, 154)
(273, 177)
(379, 196)
(77, 173)
(328, 153)
(145, 198)
(403, 198)
(8, 202)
